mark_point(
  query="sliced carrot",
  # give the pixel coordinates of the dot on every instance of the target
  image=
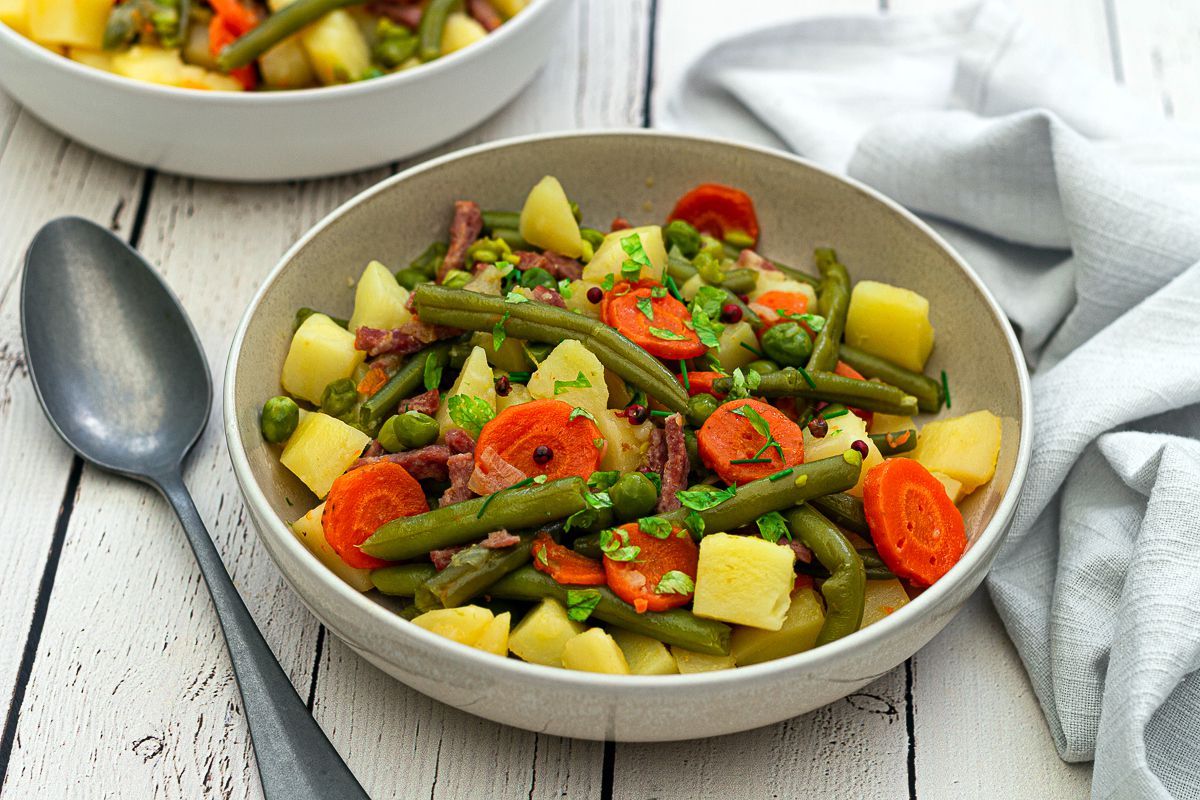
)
(573, 445)
(917, 530)
(373, 381)
(718, 211)
(238, 18)
(362, 500)
(729, 436)
(787, 302)
(662, 330)
(637, 581)
(564, 564)
(847, 371)
(221, 32)
(701, 383)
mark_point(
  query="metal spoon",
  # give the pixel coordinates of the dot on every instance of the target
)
(123, 380)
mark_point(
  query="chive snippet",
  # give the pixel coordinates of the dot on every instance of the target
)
(687, 384)
(750, 461)
(807, 378)
(751, 349)
(841, 412)
(783, 473)
(657, 412)
(946, 388)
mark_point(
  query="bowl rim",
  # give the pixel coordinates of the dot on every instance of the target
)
(978, 555)
(54, 60)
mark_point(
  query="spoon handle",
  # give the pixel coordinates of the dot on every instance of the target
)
(295, 759)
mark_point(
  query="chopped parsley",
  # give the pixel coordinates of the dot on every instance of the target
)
(744, 384)
(469, 412)
(658, 292)
(435, 362)
(603, 481)
(580, 412)
(564, 288)
(581, 603)
(814, 322)
(614, 543)
(762, 427)
(608, 282)
(709, 299)
(646, 306)
(498, 332)
(704, 327)
(656, 479)
(515, 298)
(675, 582)
(597, 500)
(541, 556)
(599, 442)
(772, 527)
(657, 527)
(580, 382)
(703, 499)
(695, 524)
(669, 335)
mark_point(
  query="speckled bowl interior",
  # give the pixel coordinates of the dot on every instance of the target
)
(637, 175)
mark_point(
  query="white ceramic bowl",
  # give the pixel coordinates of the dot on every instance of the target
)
(267, 136)
(637, 175)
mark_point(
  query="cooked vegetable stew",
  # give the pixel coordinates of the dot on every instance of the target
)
(242, 45)
(648, 451)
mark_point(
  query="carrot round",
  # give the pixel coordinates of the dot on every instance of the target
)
(541, 438)
(917, 530)
(637, 582)
(718, 211)
(728, 440)
(701, 383)
(659, 325)
(564, 565)
(847, 371)
(362, 500)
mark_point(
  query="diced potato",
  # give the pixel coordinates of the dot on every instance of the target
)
(516, 395)
(774, 281)
(610, 255)
(954, 489)
(644, 655)
(155, 65)
(964, 448)
(460, 31)
(476, 380)
(687, 662)
(321, 449)
(336, 48)
(321, 352)
(79, 23)
(379, 301)
(890, 423)
(578, 300)
(97, 59)
(309, 530)
(803, 622)
(510, 357)
(494, 638)
(691, 287)
(882, 598)
(625, 443)
(15, 14)
(890, 322)
(464, 624)
(619, 393)
(509, 8)
(547, 221)
(286, 66)
(730, 352)
(488, 281)
(594, 651)
(564, 364)
(744, 580)
(541, 636)
(843, 432)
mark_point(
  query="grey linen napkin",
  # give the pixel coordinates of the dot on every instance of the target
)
(1078, 208)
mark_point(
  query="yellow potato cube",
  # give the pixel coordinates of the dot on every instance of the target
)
(954, 489)
(516, 395)
(577, 300)
(687, 662)
(744, 580)
(79, 23)
(964, 448)
(594, 651)
(336, 48)
(890, 423)
(510, 357)
(460, 31)
(309, 530)
(542, 635)
(321, 352)
(843, 432)
(563, 366)
(97, 59)
(321, 449)
(610, 255)
(890, 322)
(624, 444)
(285, 66)
(643, 654)
(547, 221)
(15, 14)
(494, 638)
(465, 624)
(882, 598)
(379, 301)
(803, 622)
(730, 352)
(509, 8)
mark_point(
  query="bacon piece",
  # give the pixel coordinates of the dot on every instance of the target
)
(459, 441)
(464, 230)
(426, 463)
(410, 337)
(374, 450)
(803, 554)
(492, 473)
(619, 224)
(563, 267)
(441, 558)
(406, 12)
(484, 14)
(544, 294)
(497, 540)
(460, 468)
(748, 259)
(656, 453)
(426, 403)
(387, 362)
(675, 469)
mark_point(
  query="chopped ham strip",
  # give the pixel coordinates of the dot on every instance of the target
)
(497, 540)
(460, 468)
(675, 470)
(492, 473)
(464, 230)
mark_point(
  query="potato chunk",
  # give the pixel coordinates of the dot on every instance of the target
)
(730, 352)
(336, 48)
(954, 489)
(744, 580)
(803, 622)
(494, 638)
(882, 598)
(890, 423)
(610, 255)
(79, 23)
(890, 322)
(321, 352)
(594, 651)
(465, 624)
(379, 301)
(643, 654)
(542, 635)
(563, 366)
(547, 221)
(964, 448)
(15, 14)
(321, 449)
(460, 31)
(625, 444)
(309, 530)
(843, 432)
(687, 662)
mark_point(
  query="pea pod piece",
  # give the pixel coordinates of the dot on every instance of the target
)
(740, 281)
(677, 626)
(403, 384)
(501, 219)
(433, 22)
(470, 572)
(402, 580)
(833, 388)
(845, 510)
(274, 29)
(529, 506)
(845, 588)
(896, 442)
(927, 391)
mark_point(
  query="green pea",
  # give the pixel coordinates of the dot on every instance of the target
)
(456, 279)
(411, 278)
(538, 277)
(280, 416)
(712, 247)
(681, 234)
(701, 407)
(394, 44)
(709, 268)
(413, 429)
(788, 344)
(339, 397)
(633, 496)
(763, 367)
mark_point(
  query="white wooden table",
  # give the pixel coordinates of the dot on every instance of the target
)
(114, 682)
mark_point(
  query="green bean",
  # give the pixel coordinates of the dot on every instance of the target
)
(876, 569)
(789, 382)
(511, 237)
(403, 384)
(470, 572)
(275, 28)
(394, 44)
(339, 397)
(501, 219)
(845, 510)
(433, 22)
(740, 281)
(592, 236)
(280, 416)
(798, 275)
(679, 267)
(304, 313)
(459, 523)
(896, 442)
(402, 580)
(927, 391)
(545, 323)
(588, 545)
(804, 482)
(833, 299)
(845, 588)
(677, 626)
